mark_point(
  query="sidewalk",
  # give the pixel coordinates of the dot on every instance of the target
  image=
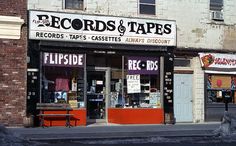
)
(112, 131)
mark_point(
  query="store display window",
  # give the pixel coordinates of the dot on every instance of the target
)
(63, 79)
(137, 85)
(220, 87)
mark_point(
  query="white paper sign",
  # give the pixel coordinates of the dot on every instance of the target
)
(155, 99)
(133, 84)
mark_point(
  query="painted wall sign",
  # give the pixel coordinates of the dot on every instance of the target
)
(61, 59)
(101, 29)
(133, 84)
(143, 65)
(217, 60)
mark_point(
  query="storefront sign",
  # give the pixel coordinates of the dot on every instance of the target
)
(143, 65)
(218, 60)
(61, 59)
(101, 29)
(133, 84)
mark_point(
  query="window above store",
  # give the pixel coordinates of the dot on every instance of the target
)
(74, 4)
(216, 8)
(147, 7)
(182, 62)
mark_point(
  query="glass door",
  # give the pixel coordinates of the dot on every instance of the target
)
(95, 94)
(98, 81)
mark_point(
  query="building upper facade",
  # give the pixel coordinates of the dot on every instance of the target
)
(201, 24)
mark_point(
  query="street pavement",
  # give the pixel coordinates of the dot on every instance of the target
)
(115, 132)
(184, 134)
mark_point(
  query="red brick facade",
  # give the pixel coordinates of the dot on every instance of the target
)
(13, 67)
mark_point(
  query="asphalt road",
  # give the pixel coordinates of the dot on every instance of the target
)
(148, 144)
(153, 141)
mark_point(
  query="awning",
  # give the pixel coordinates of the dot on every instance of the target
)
(220, 72)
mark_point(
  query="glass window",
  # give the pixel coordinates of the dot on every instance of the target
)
(138, 85)
(147, 7)
(221, 88)
(216, 5)
(74, 4)
(62, 79)
(181, 62)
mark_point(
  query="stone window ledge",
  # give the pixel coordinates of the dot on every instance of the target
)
(10, 27)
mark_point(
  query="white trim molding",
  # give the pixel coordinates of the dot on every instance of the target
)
(10, 27)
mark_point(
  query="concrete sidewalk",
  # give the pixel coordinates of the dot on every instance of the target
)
(112, 131)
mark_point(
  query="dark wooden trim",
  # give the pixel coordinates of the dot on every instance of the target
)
(183, 71)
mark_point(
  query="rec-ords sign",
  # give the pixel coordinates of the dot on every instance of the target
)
(64, 60)
(100, 29)
(143, 65)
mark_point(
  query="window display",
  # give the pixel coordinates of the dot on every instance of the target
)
(138, 86)
(218, 86)
(64, 85)
(63, 79)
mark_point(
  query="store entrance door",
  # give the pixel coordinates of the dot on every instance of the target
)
(97, 91)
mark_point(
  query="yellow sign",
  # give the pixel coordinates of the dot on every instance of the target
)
(73, 103)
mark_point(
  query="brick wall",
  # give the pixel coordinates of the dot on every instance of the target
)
(13, 68)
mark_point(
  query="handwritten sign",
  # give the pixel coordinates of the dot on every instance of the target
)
(133, 84)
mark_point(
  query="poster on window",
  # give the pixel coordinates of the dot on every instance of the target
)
(155, 99)
(221, 81)
(133, 84)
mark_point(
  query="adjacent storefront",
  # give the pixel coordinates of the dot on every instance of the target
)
(220, 81)
(109, 69)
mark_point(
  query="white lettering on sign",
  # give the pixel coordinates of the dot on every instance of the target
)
(143, 65)
(134, 65)
(138, 65)
(152, 65)
(60, 59)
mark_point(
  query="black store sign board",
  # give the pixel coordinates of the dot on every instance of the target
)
(168, 87)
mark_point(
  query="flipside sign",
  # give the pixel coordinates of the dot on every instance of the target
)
(215, 60)
(143, 65)
(63, 60)
(100, 29)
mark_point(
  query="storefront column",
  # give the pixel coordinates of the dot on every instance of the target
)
(168, 87)
(107, 91)
(198, 91)
(85, 81)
